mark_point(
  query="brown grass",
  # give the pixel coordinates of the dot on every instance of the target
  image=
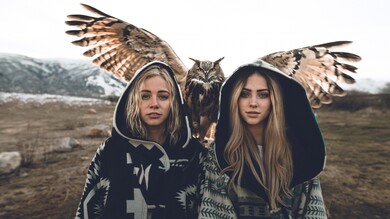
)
(355, 182)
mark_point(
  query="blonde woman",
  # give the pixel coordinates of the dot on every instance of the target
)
(148, 168)
(268, 150)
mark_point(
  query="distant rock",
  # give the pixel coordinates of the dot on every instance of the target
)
(66, 144)
(99, 131)
(9, 163)
(91, 111)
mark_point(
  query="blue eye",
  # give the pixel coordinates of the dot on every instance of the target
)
(244, 94)
(263, 94)
(163, 97)
(145, 96)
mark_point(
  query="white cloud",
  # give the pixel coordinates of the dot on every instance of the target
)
(209, 29)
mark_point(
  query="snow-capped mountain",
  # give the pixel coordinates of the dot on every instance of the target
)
(23, 74)
(367, 85)
(80, 78)
(42, 99)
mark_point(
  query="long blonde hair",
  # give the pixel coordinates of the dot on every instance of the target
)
(277, 167)
(133, 120)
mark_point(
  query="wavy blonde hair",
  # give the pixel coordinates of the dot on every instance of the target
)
(277, 167)
(133, 120)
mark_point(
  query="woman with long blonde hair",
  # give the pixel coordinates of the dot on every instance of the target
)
(149, 167)
(268, 150)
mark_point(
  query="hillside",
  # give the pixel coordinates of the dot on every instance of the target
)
(49, 184)
(22, 74)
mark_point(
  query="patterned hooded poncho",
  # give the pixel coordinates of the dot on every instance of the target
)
(308, 151)
(136, 178)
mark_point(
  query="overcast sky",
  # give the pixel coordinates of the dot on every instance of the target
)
(209, 29)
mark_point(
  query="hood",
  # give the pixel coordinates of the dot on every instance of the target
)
(303, 133)
(119, 121)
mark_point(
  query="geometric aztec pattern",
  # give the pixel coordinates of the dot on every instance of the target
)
(306, 201)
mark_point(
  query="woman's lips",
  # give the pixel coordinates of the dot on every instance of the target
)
(252, 114)
(154, 115)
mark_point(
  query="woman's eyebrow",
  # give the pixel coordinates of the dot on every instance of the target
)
(159, 91)
(264, 89)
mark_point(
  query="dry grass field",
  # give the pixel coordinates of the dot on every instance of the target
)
(355, 182)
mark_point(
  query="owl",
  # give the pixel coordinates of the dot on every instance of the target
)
(201, 94)
(121, 48)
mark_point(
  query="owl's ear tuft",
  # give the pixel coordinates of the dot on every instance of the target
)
(219, 60)
(195, 60)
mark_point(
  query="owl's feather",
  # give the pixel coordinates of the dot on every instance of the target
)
(204, 81)
(121, 48)
(319, 69)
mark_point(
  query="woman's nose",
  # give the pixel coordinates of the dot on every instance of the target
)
(253, 101)
(153, 102)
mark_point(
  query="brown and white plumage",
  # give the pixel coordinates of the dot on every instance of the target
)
(319, 69)
(204, 81)
(121, 48)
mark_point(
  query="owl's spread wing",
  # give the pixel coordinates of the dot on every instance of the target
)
(119, 47)
(318, 69)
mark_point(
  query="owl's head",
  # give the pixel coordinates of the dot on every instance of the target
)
(206, 70)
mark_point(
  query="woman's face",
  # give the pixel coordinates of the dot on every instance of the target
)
(254, 103)
(155, 102)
